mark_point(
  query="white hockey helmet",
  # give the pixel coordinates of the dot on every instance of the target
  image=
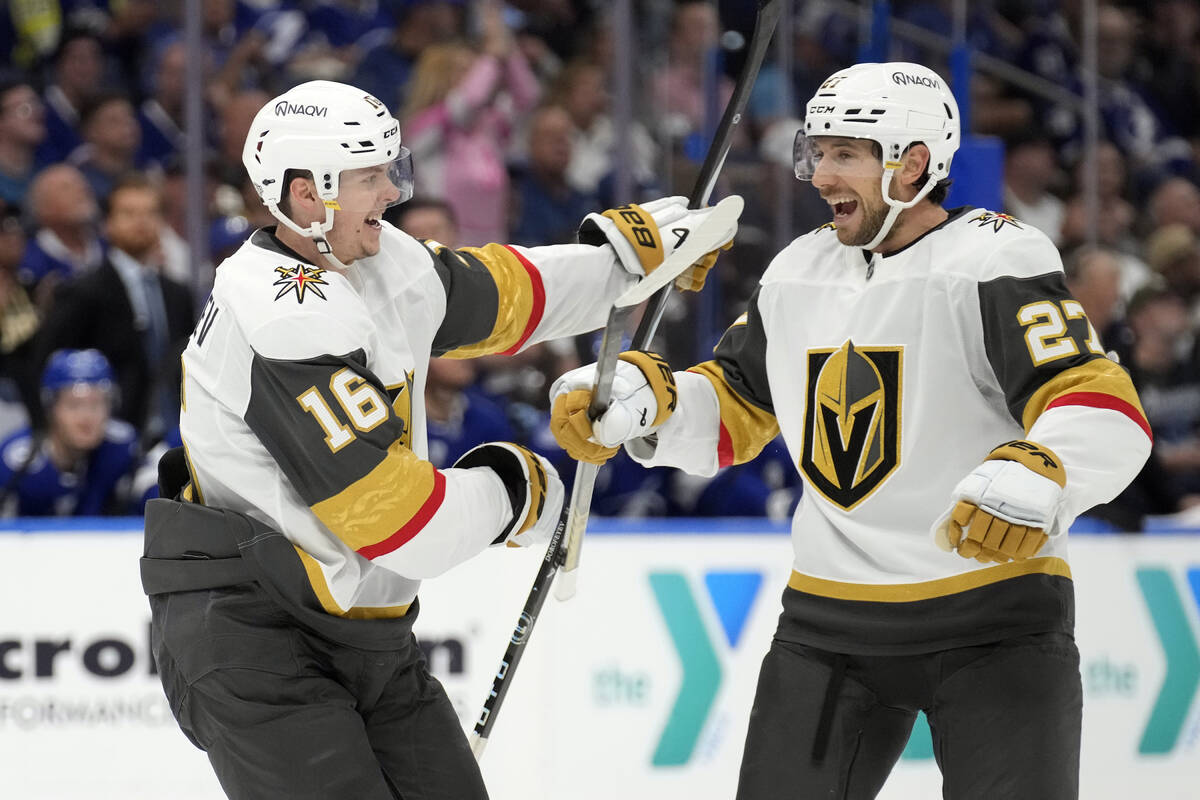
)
(895, 104)
(325, 128)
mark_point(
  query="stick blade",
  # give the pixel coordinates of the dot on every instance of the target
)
(478, 745)
(566, 584)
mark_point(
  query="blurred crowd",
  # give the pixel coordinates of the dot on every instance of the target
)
(508, 108)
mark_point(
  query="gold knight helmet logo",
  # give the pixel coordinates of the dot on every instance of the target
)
(852, 420)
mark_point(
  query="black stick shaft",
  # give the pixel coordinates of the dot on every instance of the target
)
(516, 645)
(764, 27)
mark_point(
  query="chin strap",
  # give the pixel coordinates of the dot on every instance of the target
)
(896, 206)
(316, 232)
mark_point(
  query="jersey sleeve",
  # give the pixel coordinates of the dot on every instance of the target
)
(330, 425)
(725, 415)
(504, 298)
(1057, 382)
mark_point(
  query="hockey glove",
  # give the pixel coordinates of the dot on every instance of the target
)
(1007, 507)
(643, 397)
(644, 235)
(534, 489)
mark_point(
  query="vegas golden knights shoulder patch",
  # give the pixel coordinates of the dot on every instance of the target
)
(852, 420)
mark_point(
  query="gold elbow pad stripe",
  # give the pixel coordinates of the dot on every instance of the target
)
(386, 507)
(750, 428)
(661, 379)
(640, 230)
(522, 301)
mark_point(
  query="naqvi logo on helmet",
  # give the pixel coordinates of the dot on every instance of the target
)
(908, 79)
(283, 107)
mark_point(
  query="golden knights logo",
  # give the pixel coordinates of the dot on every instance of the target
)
(400, 395)
(300, 279)
(852, 420)
(997, 221)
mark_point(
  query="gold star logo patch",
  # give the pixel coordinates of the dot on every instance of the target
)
(997, 221)
(301, 280)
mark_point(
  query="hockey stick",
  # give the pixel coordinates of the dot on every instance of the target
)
(703, 239)
(764, 26)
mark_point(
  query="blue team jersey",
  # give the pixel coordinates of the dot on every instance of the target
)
(34, 486)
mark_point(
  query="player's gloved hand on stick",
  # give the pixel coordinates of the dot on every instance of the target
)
(643, 397)
(533, 485)
(1007, 507)
(644, 235)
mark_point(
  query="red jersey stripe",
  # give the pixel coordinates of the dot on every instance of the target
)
(411, 528)
(539, 301)
(1101, 400)
(724, 448)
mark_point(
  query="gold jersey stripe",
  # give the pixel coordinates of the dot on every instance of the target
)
(522, 300)
(908, 592)
(197, 494)
(320, 587)
(1098, 376)
(382, 502)
(750, 428)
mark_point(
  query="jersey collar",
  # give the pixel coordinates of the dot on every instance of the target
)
(267, 240)
(952, 214)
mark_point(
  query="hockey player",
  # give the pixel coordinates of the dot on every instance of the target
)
(935, 384)
(84, 463)
(284, 581)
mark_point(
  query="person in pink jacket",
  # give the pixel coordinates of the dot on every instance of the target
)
(462, 109)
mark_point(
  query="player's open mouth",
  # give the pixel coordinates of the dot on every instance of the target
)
(842, 209)
(373, 222)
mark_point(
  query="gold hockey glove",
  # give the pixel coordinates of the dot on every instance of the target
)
(1008, 506)
(643, 398)
(644, 235)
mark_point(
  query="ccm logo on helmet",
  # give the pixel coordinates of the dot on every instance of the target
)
(901, 79)
(821, 110)
(283, 107)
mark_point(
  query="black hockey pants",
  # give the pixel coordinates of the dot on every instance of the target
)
(1005, 719)
(290, 702)
(285, 713)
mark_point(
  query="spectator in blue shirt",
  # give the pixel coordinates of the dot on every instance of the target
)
(78, 75)
(66, 238)
(548, 209)
(22, 129)
(82, 464)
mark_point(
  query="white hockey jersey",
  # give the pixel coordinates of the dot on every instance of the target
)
(891, 379)
(303, 399)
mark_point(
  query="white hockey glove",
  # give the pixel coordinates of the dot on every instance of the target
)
(534, 489)
(1007, 507)
(644, 235)
(643, 397)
